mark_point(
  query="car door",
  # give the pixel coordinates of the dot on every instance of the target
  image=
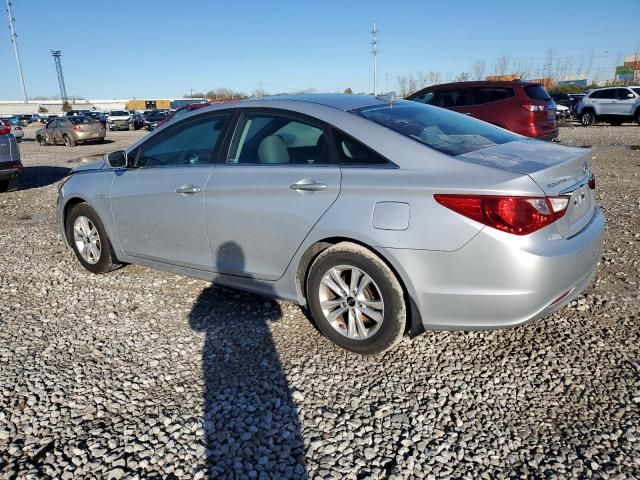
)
(625, 104)
(607, 101)
(277, 180)
(158, 203)
(50, 130)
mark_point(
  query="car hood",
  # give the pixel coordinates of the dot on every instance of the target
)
(99, 165)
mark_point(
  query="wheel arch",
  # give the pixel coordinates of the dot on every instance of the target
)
(71, 202)
(414, 320)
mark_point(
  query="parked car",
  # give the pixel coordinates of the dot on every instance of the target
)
(16, 129)
(10, 164)
(73, 113)
(182, 111)
(138, 120)
(98, 117)
(562, 112)
(382, 216)
(121, 120)
(153, 119)
(614, 105)
(522, 107)
(575, 101)
(71, 131)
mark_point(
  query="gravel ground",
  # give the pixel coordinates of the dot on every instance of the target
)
(144, 374)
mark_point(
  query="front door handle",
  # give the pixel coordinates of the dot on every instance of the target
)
(188, 189)
(308, 185)
(466, 113)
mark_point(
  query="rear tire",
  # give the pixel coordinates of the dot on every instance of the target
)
(370, 319)
(42, 141)
(91, 234)
(68, 141)
(587, 118)
(638, 117)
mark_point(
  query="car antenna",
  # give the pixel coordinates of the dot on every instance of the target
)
(390, 97)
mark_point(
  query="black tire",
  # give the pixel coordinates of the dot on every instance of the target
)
(638, 117)
(107, 262)
(587, 118)
(68, 141)
(42, 141)
(394, 318)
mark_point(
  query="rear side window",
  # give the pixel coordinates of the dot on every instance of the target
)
(611, 93)
(437, 128)
(491, 94)
(536, 92)
(353, 152)
(429, 98)
(453, 98)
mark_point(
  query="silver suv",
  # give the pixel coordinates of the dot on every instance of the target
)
(614, 105)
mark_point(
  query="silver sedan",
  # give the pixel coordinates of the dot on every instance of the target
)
(383, 217)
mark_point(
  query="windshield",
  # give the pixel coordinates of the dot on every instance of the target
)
(80, 120)
(448, 132)
(118, 113)
(155, 116)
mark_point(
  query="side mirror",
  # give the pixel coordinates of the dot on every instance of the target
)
(117, 159)
(630, 95)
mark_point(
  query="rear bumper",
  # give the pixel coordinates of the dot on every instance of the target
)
(88, 136)
(499, 280)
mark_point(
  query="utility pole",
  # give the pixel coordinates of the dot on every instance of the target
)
(374, 52)
(191, 93)
(56, 54)
(14, 40)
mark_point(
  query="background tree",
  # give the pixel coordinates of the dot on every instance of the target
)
(348, 90)
(502, 65)
(477, 69)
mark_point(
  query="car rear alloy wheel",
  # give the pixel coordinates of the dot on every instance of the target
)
(68, 141)
(351, 302)
(355, 299)
(87, 239)
(587, 119)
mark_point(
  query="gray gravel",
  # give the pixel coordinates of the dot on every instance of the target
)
(141, 374)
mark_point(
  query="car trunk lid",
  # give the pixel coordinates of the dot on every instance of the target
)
(557, 170)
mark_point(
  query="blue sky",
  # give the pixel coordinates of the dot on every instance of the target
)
(161, 49)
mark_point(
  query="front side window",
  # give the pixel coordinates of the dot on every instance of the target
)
(437, 128)
(189, 144)
(623, 94)
(277, 139)
(637, 90)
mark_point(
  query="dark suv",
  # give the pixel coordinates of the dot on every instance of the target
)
(522, 107)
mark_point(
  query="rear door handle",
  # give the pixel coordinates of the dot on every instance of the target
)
(188, 189)
(308, 185)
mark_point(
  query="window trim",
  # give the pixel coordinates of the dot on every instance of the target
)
(234, 129)
(164, 133)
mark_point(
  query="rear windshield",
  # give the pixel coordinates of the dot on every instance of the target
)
(118, 113)
(537, 92)
(443, 130)
(80, 120)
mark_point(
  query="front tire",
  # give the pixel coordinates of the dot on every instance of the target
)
(356, 300)
(42, 141)
(587, 118)
(638, 117)
(89, 241)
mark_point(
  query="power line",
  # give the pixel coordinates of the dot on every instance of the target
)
(374, 52)
(14, 40)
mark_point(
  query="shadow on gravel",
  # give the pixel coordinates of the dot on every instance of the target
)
(36, 177)
(250, 419)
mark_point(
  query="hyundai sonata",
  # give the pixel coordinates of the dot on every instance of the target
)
(383, 217)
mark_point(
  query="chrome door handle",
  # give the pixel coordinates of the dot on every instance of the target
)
(307, 185)
(188, 189)
(466, 113)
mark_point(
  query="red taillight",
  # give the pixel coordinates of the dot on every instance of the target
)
(516, 215)
(77, 128)
(533, 108)
(4, 129)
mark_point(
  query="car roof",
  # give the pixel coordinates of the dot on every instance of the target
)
(340, 101)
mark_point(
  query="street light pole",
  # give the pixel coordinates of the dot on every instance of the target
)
(14, 40)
